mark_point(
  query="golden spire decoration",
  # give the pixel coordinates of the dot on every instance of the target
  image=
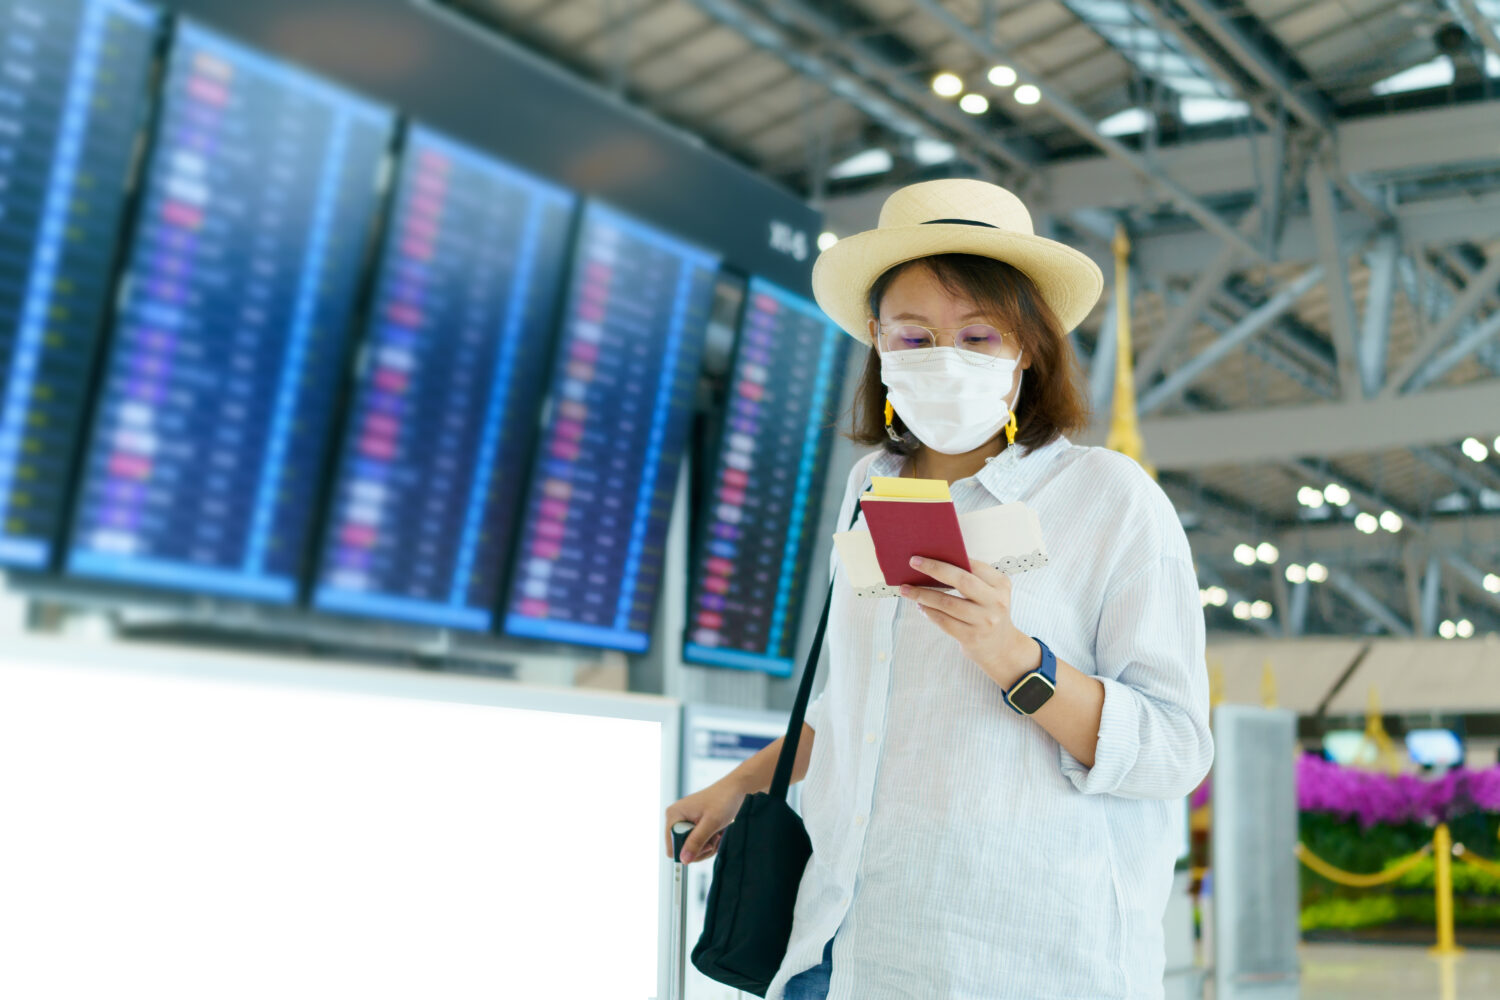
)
(1215, 682)
(1378, 739)
(1124, 424)
(1268, 686)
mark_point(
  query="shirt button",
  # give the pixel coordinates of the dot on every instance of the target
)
(880, 656)
(844, 903)
(859, 821)
(869, 737)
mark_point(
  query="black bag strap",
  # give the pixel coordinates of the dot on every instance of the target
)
(783, 777)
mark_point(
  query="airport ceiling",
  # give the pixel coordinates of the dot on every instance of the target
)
(1312, 190)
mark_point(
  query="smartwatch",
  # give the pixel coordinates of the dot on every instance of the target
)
(1036, 688)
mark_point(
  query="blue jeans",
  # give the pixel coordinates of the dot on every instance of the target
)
(812, 984)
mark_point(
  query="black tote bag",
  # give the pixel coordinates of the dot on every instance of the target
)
(759, 864)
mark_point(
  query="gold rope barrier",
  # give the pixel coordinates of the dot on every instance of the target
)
(1355, 879)
(1473, 860)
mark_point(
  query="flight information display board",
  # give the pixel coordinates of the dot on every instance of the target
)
(211, 433)
(756, 536)
(441, 432)
(73, 97)
(589, 559)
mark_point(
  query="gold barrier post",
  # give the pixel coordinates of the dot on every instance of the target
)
(1442, 859)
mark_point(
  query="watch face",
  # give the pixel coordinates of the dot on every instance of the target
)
(1032, 693)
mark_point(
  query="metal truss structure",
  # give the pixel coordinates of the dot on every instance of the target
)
(1312, 189)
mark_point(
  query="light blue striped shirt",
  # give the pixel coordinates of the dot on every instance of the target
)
(958, 851)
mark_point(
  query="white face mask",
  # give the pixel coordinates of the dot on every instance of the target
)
(952, 405)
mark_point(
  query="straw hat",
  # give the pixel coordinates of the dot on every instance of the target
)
(955, 215)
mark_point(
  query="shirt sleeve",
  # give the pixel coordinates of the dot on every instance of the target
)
(852, 488)
(814, 714)
(1154, 740)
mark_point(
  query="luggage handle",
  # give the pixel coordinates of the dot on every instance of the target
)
(680, 831)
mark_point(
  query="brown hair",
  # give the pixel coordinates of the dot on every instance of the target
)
(1054, 401)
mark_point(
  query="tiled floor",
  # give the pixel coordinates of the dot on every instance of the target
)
(1383, 972)
(1380, 972)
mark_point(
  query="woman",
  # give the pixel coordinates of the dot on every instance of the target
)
(991, 774)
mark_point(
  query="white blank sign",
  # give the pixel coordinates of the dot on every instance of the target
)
(190, 826)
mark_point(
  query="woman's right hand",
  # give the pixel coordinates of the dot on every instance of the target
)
(710, 811)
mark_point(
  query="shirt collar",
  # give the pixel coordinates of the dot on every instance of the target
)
(1005, 475)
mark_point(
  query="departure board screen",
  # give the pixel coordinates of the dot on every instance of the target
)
(73, 95)
(211, 431)
(589, 559)
(434, 460)
(756, 536)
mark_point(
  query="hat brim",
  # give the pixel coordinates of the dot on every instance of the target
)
(1068, 280)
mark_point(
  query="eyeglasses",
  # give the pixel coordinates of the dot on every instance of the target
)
(978, 343)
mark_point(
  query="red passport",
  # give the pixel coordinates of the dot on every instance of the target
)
(901, 528)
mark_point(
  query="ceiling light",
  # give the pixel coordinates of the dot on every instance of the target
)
(1296, 573)
(947, 85)
(1492, 583)
(1366, 522)
(1202, 110)
(1497, 442)
(1423, 76)
(1218, 596)
(1475, 449)
(1307, 496)
(928, 152)
(1266, 552)
(1317, 572)
(1336, 494)
(1447, 629)
(863, 164)
(1242, 610)
(1244, 554)
(1203, 598)
(1002, 76)
(1390, 521)
(1027, 94)
(826, 240)
(974, 104)
(1465, 628)
(1131, 121)
(1260, 609)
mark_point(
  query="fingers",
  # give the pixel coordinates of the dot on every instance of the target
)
(711, 848)
(698, 841)
(960, 608)
(995, 578)
(945, 621)
(961, 580)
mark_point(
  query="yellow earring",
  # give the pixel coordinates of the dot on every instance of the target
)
(1010, 428)
(890, 413)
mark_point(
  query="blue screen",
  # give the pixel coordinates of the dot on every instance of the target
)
(444, 418)
(757, 521)
(1437, 747)
(212, 427)
(73, 95)
(589, 559)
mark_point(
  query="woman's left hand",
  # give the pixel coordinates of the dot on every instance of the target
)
(978, 617)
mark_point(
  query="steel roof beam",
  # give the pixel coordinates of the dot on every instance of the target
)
(1481, 25)
(1380, 297)
(1173, 385)
(1207, 439)
(836, 38)
(1324, 206)
(767, 34)
(1358, 595)
(1308, 107)
(1479, 287)
(1149, 362)
(1074, 117)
